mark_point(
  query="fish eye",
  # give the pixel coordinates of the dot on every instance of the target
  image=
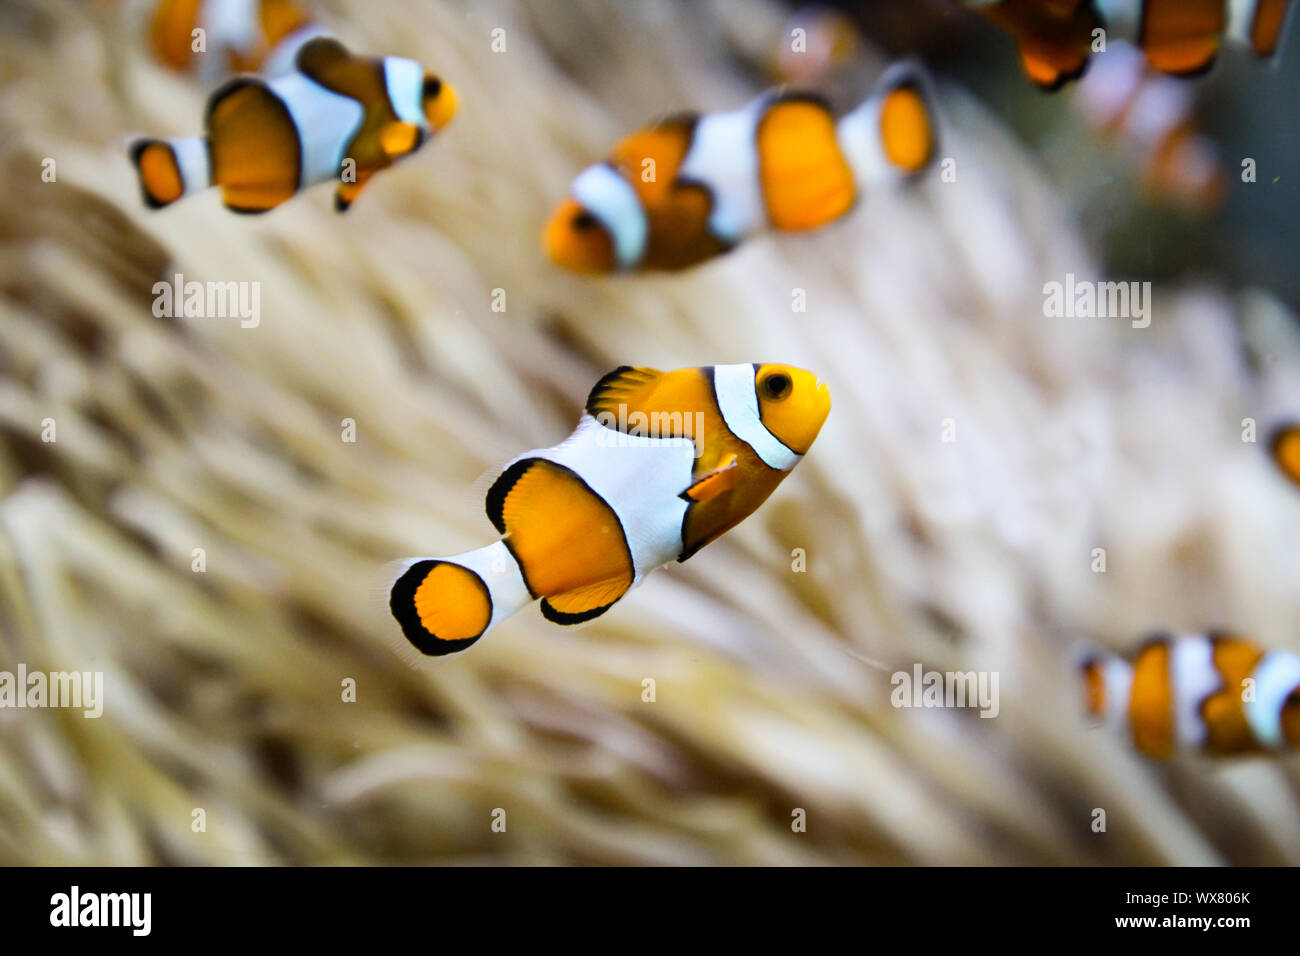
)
(777, 386)
(432, 87)
(584, 221)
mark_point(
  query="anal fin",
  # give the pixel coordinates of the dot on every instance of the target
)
(584, 603)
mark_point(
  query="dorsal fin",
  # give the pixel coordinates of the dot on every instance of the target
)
(627, 385)
(317, 56)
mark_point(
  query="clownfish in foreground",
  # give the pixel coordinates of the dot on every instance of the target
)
(1181, 37)
(661, 464)
(693, 186)
(1285, 448)
(336, 117)
(215, 38)
(1216, 693)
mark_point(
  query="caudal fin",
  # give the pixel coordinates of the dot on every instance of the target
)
(170, 168)
(894, 134)
(444, 605)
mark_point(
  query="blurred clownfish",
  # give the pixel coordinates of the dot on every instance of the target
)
(1151, 115)
(1054, 36)
(661, 464)
(1285, 447)
(337, 117)
(1216, 694)
(693, 186)
(238, 36)
(1180, 37)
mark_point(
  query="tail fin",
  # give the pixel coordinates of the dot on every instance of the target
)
(171, 168)
(1107, 679)
(446, 604)
(894, 134)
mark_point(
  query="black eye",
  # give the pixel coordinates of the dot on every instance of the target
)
(584, 221)
(432, 87)
(777, 386)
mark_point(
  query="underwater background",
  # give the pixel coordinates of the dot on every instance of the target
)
(771, 652)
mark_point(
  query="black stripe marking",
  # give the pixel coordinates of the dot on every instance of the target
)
(563, 617)
(497, 494)
(707, 372)
(401, 602)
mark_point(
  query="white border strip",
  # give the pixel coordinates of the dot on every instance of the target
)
(326, 123)
(404, 81)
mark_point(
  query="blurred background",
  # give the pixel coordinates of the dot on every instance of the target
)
(225, 689)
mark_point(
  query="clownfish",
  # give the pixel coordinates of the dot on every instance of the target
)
(1151, 116)
(661, 464)
(693, 186)
(1284, 445)
(1213, 693)
(335, 117)
(1180, 37)
(238, 36)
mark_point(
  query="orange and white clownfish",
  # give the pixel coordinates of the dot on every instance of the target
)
(1152, 116)
(1284, 446)
(1181, 37)
(238, 36)
(661, 464)
(694, 186)
(1211, 693)
(267, 139)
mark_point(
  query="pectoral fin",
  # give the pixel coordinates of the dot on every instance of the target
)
(714, 483)
(398, 139)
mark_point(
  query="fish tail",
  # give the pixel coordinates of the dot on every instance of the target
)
(1106, 680)
(894, 134)
(171, 168)
(446, 604)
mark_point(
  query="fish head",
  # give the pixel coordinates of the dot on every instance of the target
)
(792, 403)
(578, 240)
(438, 101)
